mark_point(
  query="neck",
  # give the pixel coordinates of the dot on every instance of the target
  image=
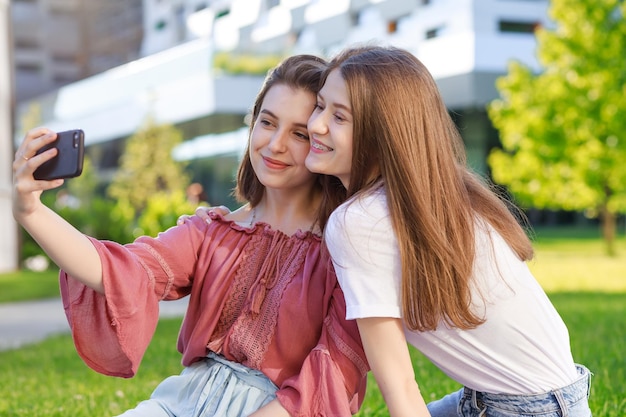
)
(288, 213)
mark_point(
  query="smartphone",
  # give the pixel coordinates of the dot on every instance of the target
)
(68, 163)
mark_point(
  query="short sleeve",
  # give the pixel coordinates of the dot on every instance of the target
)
(364, 251)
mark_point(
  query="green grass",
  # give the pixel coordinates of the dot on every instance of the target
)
(588, 289)
(28, 285)
(576, 260)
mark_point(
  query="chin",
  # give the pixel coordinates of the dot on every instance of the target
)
(311, 165)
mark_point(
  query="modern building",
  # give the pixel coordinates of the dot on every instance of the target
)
(466, 44)
(57, 42)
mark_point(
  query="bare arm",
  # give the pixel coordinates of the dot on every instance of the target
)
(66, 246)
(271, 409)
(388, 355)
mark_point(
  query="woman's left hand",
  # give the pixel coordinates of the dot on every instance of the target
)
(203, 213)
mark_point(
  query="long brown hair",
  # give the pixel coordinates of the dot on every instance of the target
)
(404, 136)
(298, 72)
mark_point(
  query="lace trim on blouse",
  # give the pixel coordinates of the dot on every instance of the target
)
(269, 263)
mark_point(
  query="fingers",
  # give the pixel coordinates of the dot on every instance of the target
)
(27, 161)
(203, 213)
(181, 219)
(34, 140)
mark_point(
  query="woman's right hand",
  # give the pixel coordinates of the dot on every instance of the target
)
(26, 189)
(71, 250)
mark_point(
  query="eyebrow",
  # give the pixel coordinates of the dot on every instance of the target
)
(271, 114)
(338, 105)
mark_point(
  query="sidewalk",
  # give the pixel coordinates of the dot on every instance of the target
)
(32, 321)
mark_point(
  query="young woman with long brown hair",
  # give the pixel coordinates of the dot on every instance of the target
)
(428, 254)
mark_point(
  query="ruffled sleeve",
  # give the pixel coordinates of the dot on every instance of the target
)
(112, 331)
(332, 380)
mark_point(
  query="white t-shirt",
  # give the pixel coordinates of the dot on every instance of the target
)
(523, 346)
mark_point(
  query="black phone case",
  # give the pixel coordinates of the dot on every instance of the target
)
(68, 162)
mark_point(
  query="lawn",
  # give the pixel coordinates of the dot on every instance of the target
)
(588, 288)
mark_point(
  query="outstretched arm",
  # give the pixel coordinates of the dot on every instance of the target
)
(388, 355)
(66, 246)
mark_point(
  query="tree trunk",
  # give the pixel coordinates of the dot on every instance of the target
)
(608, 230)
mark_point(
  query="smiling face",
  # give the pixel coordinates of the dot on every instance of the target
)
(330, 127)
(279, 140)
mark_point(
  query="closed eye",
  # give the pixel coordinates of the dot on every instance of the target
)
(265, 122)
(302, 136)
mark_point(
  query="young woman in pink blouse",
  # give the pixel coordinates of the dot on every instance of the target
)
(265, 329)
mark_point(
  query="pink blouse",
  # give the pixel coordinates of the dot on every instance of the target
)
(257, 296)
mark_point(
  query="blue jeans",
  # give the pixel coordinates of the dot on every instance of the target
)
(213, 387)
(569, 401)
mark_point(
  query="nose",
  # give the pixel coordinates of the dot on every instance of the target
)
(317, 124)
(278, 141)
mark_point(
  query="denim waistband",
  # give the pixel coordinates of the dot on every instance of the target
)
(250, 376)
(560, 399)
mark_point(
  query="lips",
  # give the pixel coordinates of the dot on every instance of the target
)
(320, 146)
(273, 163)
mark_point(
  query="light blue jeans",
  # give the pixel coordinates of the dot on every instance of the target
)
(569, 401)
(213, 387)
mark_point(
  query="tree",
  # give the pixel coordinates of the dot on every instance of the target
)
(563, 131)
(147, 168)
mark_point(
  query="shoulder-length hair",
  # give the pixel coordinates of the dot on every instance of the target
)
(297, 72)
(404, 136)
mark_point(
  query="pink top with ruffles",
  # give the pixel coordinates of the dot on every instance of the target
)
(257, 296)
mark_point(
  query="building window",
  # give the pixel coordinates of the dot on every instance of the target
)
(63, 59)
(63, 79)
(160, 24)
(433, 33)
(272, 3)
(222, 13)
(29, 67)
(26, 44)
(392, 26)
(510, 26)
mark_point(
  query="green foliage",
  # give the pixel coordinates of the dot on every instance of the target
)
(147, 167)
(162, 212)
(563, 139)
(90, 212)
(238, 64)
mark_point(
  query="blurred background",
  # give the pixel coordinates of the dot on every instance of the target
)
(181, 75)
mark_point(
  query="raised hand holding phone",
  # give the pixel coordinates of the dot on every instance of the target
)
(76, 254)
